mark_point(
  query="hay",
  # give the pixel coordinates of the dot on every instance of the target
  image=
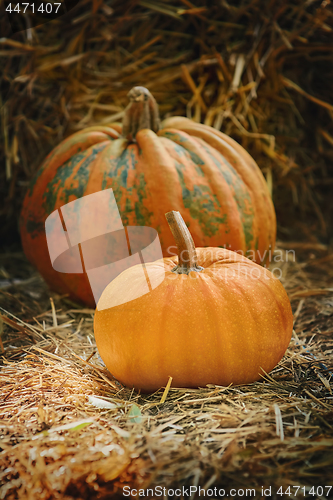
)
(259, 71)
(69, 430)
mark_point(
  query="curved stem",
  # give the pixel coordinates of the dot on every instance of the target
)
(187, 255)
(141, 113)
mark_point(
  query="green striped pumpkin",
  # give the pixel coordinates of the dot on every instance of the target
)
(153, 168)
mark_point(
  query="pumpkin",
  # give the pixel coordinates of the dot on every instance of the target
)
(216, 317)
(152, 168)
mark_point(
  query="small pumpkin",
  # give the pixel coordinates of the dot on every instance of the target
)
(216, 318)
(153, 168)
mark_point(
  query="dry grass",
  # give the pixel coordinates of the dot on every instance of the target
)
(59, 440)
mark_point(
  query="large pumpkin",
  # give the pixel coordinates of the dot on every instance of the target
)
(215, 318)
(153, 168)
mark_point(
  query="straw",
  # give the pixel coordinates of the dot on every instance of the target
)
(258, 72)
(69, 429)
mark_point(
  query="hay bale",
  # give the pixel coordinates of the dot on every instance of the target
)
(259, 72)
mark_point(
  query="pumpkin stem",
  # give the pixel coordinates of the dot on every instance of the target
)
(141, 112)
(187, 255)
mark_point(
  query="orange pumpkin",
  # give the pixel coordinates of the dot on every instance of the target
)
(215, 318)
(153, 168)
